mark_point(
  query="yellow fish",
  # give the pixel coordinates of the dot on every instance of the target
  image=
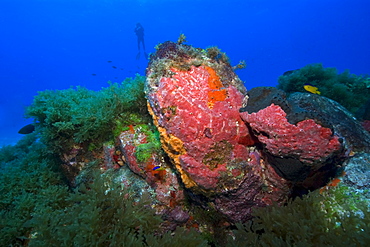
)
(311, 89)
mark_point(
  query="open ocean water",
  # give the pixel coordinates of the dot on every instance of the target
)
(56, 44)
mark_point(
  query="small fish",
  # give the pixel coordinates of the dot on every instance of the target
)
(93, 74)
(114, 67)
(158, 168)
(311, 89)
(289, 72)
(333, 183)
(109, 61)
(28, 129)
(132, 130)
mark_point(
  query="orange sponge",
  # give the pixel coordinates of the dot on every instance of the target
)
(217, 92)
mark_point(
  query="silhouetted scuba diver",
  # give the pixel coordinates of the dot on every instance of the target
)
(139, 30)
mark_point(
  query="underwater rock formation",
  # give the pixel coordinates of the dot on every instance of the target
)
(354, 139)
(324, 111)
(204, 166)
(295, 151)
(194, 98)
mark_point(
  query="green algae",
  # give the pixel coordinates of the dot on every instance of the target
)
(81, 116)
(30, 183)
(152, 146)
(348, 89)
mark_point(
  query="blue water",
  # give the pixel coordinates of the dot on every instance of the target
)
(55, 44)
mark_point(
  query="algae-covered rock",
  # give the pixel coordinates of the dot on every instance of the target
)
(201, 167)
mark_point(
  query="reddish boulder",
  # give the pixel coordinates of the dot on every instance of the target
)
(194, 99)
(205, 121)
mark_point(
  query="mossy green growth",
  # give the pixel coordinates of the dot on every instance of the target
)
(350, 90)
(81, 116)
(128, 118)
(145, 151)
(337, 217)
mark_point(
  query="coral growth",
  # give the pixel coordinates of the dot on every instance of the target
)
(142, 153)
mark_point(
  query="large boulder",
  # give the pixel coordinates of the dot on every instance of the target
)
(194, 98)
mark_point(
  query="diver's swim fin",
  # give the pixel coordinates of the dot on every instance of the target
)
(146, 55)
(138, 56)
